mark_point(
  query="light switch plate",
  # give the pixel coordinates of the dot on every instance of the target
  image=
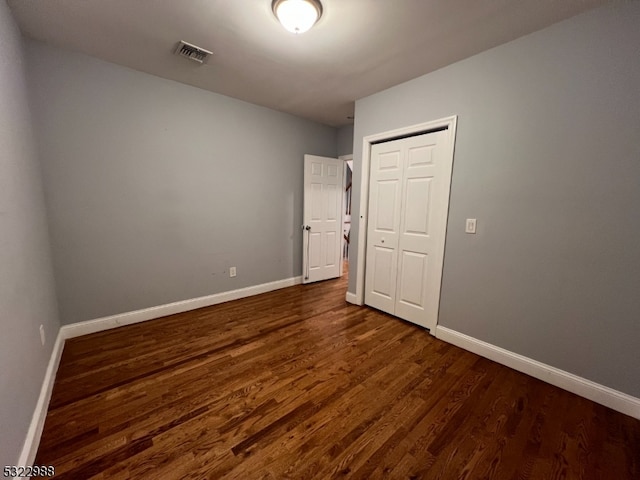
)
(470, 226)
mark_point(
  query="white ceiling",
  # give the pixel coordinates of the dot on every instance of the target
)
(358, 47)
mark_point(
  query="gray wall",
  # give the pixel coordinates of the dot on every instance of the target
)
(27, 296)
(155, 188)
(345, 140)
(548, 160)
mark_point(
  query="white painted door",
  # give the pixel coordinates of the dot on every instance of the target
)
(408, 208)
(383, 235)
(322, 219)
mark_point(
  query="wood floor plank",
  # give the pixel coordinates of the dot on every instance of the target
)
(299, 384)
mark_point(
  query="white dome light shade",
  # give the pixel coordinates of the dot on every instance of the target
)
(297, 16)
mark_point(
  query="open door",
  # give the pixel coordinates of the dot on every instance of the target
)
(322, 218)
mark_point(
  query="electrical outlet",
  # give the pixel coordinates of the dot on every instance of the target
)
(42, 338)
(470, 226)
(232, 271)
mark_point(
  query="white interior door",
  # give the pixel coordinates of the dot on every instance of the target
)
(408, 207)
(322, 222)
(383, 233)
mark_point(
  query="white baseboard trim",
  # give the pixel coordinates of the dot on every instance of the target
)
(606, 396)
(352, 298)
(136, 316)
(32, 441)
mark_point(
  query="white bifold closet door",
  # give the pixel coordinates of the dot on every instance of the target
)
(407, 221)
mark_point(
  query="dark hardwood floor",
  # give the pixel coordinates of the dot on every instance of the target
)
(299, 384)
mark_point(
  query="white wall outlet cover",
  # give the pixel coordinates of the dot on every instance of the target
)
(470, 225)
(42, 337)
(232, 271)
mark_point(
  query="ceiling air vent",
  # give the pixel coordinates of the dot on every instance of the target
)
(192, 52)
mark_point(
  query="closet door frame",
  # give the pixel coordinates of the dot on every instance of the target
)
(448, 123)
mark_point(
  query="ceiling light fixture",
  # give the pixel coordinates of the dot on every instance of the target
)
(297, 16)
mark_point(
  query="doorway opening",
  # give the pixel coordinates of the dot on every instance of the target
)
(346, 212)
